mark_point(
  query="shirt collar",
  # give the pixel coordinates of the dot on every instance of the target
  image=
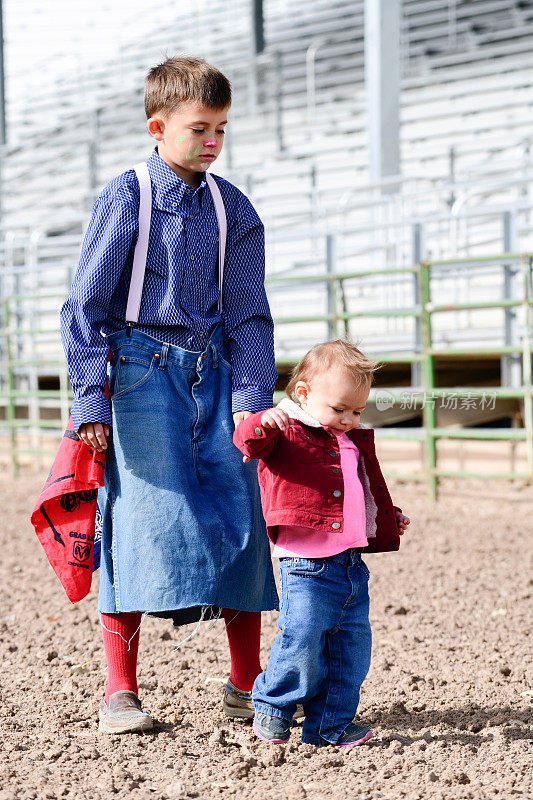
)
(297, 412)
(169, 189)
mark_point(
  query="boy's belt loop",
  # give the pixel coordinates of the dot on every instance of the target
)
(163, 357)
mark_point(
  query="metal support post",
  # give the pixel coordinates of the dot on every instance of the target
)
(510, 364)
(258, 30)
(527, 273)
(331, 268)
(10, 387)
(93, 158)
(428, 411)
(382, 77)
(279, 100)
(418, 255)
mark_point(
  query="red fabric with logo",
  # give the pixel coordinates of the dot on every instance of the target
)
(64, 515)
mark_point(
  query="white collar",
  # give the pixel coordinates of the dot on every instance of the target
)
(297, 412)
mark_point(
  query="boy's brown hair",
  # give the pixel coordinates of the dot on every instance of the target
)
(328, 354)
(180, 79)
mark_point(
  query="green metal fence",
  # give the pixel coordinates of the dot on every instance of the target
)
(337, 319)
(429, 433)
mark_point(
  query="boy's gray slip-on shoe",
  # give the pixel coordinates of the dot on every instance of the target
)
(238, 704)
(123, 714)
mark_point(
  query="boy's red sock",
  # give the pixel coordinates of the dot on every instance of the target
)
(244, 637)
(118, 630)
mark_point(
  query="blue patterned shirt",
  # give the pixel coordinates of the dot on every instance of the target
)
(180, 292)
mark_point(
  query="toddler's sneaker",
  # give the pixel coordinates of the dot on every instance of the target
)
(123, 714)
(238, 704)
(271, 729)
(352, 736)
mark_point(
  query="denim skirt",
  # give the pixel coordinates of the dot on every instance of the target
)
(182, 522)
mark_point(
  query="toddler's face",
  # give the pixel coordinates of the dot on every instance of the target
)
(333, 399)
(186, 137)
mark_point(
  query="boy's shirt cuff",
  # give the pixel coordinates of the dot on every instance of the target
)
(250, 398)
(92, 406)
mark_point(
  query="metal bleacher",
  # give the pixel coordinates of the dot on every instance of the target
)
(297, 146)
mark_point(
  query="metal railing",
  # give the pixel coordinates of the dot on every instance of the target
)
(14, 367)
(337, 320)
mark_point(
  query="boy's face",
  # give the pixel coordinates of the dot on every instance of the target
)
(190, 139)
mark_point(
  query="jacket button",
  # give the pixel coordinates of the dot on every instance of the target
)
(258, 431)
(336, 471)
(380, 487)
(335, 525)
(333, 454)
(337, 493)
(386, 511)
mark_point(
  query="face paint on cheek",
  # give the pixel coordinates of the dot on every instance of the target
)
(180, 138)
(194, 154)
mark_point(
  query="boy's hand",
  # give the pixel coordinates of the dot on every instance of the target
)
(275, 418)
(402, 521)
(239, 416)
(94, 434)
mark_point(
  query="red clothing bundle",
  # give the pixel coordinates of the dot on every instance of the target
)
(64, 515)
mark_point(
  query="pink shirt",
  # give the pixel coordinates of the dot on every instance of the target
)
(297, 541)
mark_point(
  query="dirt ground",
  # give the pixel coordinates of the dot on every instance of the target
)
(448, 694)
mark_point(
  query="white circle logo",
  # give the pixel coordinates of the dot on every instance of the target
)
(384, 400)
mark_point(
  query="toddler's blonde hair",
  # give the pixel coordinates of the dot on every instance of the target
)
(340, 353)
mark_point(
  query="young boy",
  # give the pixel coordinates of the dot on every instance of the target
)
(183, 527)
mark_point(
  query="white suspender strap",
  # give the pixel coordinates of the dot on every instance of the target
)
(141, 248)
(222, 229)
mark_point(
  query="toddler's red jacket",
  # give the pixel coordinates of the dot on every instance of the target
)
(299, 472)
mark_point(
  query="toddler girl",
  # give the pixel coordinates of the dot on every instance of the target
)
(325, 502)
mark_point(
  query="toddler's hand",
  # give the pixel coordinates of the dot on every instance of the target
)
(94, 434)
(275, 418)
(402, 521)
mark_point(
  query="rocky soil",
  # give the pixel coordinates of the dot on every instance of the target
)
(448, 694)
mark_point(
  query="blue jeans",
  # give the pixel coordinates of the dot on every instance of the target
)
(322, 654)
(182, 523)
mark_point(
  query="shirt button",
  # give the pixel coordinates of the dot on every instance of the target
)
(192, 256)
(337, 493)
(258, 431)
(335, 525)
(174, 205)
